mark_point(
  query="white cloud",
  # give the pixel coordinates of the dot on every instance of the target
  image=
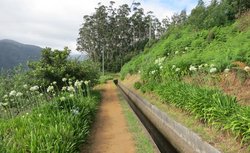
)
(55, 23)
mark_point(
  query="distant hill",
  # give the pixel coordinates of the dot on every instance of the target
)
(13, 53)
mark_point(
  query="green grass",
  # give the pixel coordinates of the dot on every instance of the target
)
(183, 47)
(184, 51)
(214, 136)
(142, 140)
(104, 78)
(210, 106)
(60, 122)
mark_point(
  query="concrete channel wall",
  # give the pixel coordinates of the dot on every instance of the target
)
(183, 139)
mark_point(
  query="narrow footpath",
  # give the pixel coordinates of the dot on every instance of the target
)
(110, 132)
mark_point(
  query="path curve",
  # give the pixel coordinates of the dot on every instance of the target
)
(110, 132)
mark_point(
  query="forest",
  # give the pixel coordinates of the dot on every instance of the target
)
(118, 34)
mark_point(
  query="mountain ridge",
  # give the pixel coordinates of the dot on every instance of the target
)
(13, 53)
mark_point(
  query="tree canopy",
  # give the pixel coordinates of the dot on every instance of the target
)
(118, 34)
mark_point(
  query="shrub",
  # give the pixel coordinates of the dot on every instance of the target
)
(137, 85)
(105, 78)
(54, 65)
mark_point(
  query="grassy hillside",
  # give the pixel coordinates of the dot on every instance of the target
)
(192, 70)
(183, 46)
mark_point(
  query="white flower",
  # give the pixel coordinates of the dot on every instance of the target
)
(3, 104)
(86, 82)
(78, 84)
(192, 68)
(213, 70)
(54, 82)
(50, 89)
(5, 96)
(247, 68)
(19, 94)
(71, 89)
(159, 61)
(75, 111)
(25, 86)
(64, 79)
(13, 93)
(212, 65)
(62, 98)
(71, 95)
(34, 88)
(153, 72)
(64, 88)
(200, 66)
(226, 70)
(177, 69)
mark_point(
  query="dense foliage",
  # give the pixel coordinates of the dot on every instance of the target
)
(50, 107)
(209, 106)
(117, 33)
(55, 65)
(201, 45)
(58, 123)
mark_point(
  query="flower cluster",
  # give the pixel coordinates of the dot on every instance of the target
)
(247, 68)
(226, 70)
(64, 79)
(62, 99)
(153, 72)
(34, 88)
(13, 93)
(19, 94)
(78, 84)
(160, 61)
(192, 68)
(71, 89)
(50, 89)
(213, 70)
(177, 69)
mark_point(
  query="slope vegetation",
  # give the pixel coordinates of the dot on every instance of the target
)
(189, 69)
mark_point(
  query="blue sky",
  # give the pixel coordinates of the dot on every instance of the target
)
(55, 23)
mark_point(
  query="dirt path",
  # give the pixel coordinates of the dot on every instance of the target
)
(110, 133)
